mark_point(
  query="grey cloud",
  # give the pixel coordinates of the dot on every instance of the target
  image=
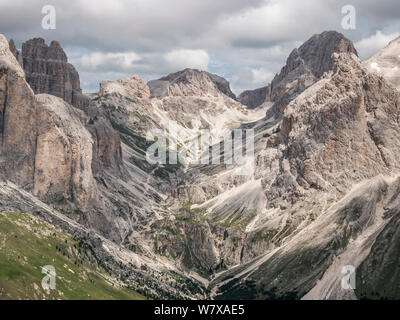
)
(239, 36)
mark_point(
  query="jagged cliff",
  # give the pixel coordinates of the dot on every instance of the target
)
(47, 71)
(322, 138)
(45, 146)
(304, 66)
(255, 98)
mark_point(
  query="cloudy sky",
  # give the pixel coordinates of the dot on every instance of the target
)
(246, 41)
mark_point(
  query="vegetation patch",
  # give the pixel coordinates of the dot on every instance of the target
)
(27, 244)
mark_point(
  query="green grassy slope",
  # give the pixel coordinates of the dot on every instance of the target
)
(28, 243)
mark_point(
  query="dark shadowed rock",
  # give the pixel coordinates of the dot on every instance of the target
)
(107, 152)
(17, 54)
(48, 71)
(222, 84)
(254, 98)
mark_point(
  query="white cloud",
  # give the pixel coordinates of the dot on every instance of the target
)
(181, 59)
(375, 66)
(240, 36)
(262, 76)
(368, 46)
(276, 21)
(116, 61)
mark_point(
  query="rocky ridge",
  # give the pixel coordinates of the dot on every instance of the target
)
(304, 66)
(190, 82)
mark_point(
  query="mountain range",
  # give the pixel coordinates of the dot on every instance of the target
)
(323, 193)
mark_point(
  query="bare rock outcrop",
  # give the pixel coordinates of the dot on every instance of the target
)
(255, 98)
(63, 162)
(45, 147)
(190, 82)
(386, 63)
(17, 120)
(107, 151)
(48, 71)
(17, 54)
(306, 65)
(328, 171)
(133, 87)
(346, 121)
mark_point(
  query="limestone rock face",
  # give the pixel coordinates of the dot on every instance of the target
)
(63, 162)
(222, 85)
(17, 120)
(132, 87)
(324, 173)
(386, 63)
(107, 152)
(17, 54)
(254, 98)
(48, 71)
(45, 147)
(304, 66)
(307, 64)
(350, 107)
(190, 82)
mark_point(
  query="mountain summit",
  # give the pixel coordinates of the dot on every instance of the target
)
(304, 67)
(190, 82)
(47, 70)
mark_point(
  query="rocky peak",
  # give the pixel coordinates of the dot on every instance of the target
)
(48, 71)
(190, 82)
(306, 65)
(45, 147)
(315, 54)
(37, 49)
(13, 48)
(8, 58)
(17, 114)
(17, 54)
(386, 63)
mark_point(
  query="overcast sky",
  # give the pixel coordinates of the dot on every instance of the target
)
(245, 41)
